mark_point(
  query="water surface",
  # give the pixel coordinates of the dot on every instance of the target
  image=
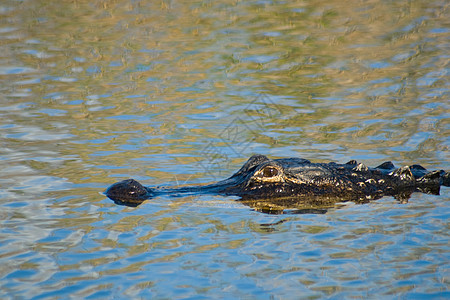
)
(175, 92)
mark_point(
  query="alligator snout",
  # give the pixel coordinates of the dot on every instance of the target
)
(128, 191)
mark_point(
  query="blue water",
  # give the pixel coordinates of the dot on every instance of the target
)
(181, 92)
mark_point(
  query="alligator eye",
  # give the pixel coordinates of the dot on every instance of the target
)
(270, 172)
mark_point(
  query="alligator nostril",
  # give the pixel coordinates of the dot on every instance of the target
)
(127, 191)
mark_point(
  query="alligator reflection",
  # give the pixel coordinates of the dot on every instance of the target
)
(292, 205)
(273, 207)
(274, 186)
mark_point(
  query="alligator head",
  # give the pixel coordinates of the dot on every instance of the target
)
(299, 180)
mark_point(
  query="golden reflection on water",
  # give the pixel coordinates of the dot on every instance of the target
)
(185, 91)
(339, 64)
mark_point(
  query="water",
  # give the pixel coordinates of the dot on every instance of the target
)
(182, 91)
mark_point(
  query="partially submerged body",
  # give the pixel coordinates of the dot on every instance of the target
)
(298, 180)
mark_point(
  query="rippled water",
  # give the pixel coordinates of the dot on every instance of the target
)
(170, 92)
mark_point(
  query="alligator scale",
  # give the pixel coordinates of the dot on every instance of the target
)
(299, 180)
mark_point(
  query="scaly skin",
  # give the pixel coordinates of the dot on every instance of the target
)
(300, 180)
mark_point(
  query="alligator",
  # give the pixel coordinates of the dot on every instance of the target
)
(297, 180)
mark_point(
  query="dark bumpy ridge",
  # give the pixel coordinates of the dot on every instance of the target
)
(299, 180)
